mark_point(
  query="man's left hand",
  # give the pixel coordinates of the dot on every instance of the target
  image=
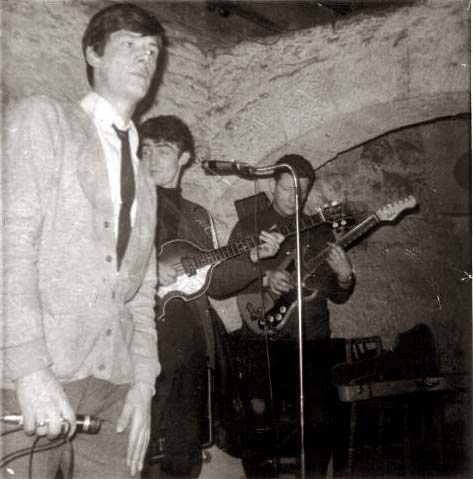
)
(136, 413)
(339, 262)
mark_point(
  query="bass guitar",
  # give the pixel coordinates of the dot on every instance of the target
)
(194, 265)
(266, 314)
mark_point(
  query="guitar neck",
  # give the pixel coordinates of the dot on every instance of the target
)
(245, 244)
(226, 252)
(289, 229)
(358, 231)
(344, 241)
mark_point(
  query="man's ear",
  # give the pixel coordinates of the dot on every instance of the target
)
(92, 57)
(184, 158)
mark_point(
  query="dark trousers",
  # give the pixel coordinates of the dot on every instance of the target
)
(179, 406)
(271, 394)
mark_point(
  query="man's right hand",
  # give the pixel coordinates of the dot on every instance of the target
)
(166, 274)
(278, 282)
(44, 405)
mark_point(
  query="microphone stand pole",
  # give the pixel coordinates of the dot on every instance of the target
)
(299, 303)
(299, 317)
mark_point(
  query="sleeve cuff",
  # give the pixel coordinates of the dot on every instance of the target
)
(147, 387)
(351, 279)
(147, 375)
(26, 358)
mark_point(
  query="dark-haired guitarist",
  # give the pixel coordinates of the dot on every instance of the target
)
(336, 284)
(190, 332)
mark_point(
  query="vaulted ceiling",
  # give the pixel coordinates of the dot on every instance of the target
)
(220, 23)
(269, 17)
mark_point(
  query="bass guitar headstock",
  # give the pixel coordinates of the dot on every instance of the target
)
(392, 210)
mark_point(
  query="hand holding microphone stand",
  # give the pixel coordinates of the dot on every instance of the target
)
(245, 170)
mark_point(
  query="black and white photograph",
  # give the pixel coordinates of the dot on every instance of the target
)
(236, 239)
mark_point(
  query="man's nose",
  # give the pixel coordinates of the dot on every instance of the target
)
(144, 55)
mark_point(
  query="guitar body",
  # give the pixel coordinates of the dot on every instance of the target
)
(264, 314)
(189, 284)
(194, 265)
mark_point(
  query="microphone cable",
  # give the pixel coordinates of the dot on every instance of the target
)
(55, 443)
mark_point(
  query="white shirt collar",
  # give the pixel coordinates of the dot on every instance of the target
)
(103, 112)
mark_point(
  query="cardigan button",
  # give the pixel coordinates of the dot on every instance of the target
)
(106, 224)
(108, 258)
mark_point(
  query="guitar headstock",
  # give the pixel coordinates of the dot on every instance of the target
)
(392, 210)
(335, 213)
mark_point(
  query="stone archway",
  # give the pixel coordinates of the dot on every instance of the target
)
(325, 90)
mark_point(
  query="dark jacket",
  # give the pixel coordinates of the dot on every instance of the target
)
(182, 219)
(315, 313)
(185, 321)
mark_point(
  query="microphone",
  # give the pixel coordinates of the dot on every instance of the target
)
(238, 168)
(85, 423)
(228, 167)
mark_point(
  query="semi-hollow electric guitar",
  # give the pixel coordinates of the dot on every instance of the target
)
(194, 265)
(266, 314)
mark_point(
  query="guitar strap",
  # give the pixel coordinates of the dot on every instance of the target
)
(204, 220)
(213, 232)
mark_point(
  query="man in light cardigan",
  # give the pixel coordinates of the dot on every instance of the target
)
(79, 332)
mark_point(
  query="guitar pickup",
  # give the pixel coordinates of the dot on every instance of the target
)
(189, 266)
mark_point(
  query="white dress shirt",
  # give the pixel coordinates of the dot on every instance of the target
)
(104, 116)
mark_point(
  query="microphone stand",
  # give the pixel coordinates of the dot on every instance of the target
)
(271, 169)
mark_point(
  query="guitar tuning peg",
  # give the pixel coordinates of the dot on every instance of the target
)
(343, 222)
(334, 203)
(334, 225)
(325, 205)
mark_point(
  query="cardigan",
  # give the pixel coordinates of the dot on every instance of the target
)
(67, 307)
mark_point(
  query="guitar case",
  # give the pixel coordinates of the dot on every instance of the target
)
(414, 355)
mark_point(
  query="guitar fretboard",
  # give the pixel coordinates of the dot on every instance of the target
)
(245, 244)
(356, 232)
(225, 252)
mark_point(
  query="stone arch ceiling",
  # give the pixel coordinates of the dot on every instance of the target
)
(318, 91)
(322, 91)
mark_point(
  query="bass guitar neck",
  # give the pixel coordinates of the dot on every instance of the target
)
(194, 265)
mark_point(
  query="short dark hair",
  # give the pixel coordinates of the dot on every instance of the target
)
(170, 129)
(122, 16)
(302, 167)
